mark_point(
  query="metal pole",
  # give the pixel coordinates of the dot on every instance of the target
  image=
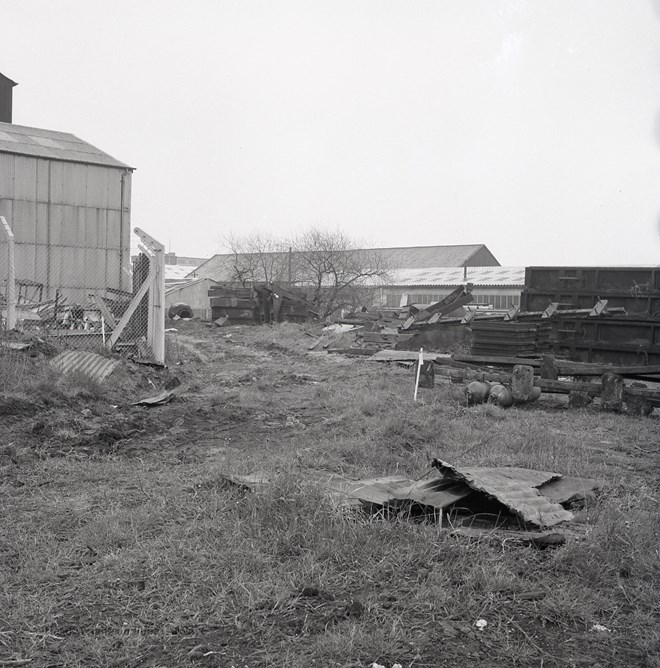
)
(11, 278)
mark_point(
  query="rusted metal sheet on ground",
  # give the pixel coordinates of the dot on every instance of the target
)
(533, 496)
(92, 365)
(569, 490)
(515, 488)
(393, 491)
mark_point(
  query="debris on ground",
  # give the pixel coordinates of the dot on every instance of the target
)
(476, 498)
(515, 488)
(508, 381)
(15, 345)
(163, 397)
(94, 366)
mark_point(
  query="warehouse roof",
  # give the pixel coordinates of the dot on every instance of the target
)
(437, 256)
(51, 145)
(221, 266)
(431, 276)
(176, 272)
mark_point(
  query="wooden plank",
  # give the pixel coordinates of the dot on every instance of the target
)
(565, 368)
(232, 302)
(137, 298)
(378, 337)
(497, 360)
(404, 356)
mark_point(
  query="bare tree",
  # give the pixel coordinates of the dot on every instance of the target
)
(328, 265)
(257, 258)
(336, 272)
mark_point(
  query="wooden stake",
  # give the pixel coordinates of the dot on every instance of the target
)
(419, 371)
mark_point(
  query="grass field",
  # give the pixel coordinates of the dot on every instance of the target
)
(121, 544)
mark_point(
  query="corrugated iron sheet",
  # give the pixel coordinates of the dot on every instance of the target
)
(41, 143)
(441, 276)
(93, 365)
(516, 489)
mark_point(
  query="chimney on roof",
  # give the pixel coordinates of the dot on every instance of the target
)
(6, 87)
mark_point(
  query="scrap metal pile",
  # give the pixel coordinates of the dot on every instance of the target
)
(59, 316)
(594, 314)
(600, 315)
(364, 333)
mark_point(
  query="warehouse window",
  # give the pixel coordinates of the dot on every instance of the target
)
(425, 298)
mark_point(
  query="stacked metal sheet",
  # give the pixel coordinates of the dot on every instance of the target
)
(503, 338)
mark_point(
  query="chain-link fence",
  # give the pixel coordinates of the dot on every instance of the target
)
(86, 292)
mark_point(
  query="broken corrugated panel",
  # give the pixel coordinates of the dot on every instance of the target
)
(436, 491)
(568, 490)
(516, 489)
(92, 365)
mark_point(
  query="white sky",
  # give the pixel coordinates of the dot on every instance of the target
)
(532, 126)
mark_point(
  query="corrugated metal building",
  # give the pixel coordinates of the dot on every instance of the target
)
(221, 266)
(68, 204)
(499, 287)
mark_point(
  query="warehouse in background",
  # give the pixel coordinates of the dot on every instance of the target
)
(69, 206)
(496, 287)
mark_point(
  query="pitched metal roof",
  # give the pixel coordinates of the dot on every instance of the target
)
(183, 284)
(431, 276)
(7, 80)
(220, 266)
(433, 256)
(176, 271)
(52, 145)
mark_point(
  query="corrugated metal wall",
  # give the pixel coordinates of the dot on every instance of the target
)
(70, 232)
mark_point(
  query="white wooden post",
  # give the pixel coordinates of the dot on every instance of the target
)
(156, 322)
(420, 363)
(11, 278)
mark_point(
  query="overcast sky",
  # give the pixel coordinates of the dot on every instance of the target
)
(532, 126)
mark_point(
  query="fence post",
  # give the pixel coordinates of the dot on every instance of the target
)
(156, 323)
(11, 279)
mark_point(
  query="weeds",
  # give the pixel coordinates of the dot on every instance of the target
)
(126, 561)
